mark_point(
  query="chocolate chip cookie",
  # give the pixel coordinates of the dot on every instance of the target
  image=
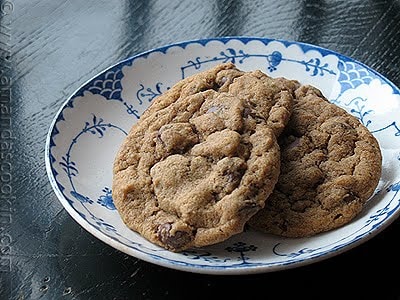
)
(203, 157)
(331, 165)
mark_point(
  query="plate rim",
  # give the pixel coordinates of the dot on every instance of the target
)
(195, 268)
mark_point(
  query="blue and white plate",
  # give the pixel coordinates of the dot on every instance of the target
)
(91, 124)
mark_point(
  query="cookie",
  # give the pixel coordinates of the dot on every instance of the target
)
(203, 157)
(331, 165)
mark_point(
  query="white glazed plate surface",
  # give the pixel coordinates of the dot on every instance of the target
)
(92, 123)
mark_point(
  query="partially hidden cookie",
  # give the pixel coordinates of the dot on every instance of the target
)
(331, 165)
(203, 157)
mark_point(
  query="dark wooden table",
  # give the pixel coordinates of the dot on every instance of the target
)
(48, 48)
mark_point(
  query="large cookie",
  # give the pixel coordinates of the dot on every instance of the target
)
(203, 157)
(331, 165)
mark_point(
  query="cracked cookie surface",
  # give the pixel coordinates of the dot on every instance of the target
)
(331, 165)
(203, 157)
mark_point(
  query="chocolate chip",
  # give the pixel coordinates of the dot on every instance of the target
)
(212, 109)
(349, 198)
(172, 242)
(283, 226)
(163, 231)
(236, 175)
(216, 196)
(203, 88)
(246, 112)
(231, 177)
(159, 139)
(216, 87)
(249, 209)
(294, 143)
(338, 216)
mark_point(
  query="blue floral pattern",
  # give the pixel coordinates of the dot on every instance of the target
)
(313, 65)
(148, 94)
(353, 75)
(96, 126)
(106, 199)
(358, 109)
(205, 256)
(241, 248)
(108, 85)
(97, 211)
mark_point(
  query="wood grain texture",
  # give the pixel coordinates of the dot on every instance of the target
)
(57, 45)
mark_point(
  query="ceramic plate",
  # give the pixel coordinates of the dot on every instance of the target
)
(88, 129)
